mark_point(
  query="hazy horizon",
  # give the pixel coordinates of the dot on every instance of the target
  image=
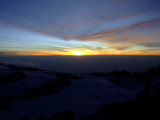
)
(85, 64)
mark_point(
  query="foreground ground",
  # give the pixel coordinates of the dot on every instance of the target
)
(31, 94)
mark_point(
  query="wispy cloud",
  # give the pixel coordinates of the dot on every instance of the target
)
(115, 26)
(72, 18)
(8, 53)
(119, 30)
(123, 37)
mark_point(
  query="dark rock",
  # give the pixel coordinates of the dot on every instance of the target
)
(70, 76)
(41, 118)
(97, 74)
(22, 68)
(2, 64)
(5, 102)
(12, 77)
(64, 115)
(145, 107)
(46, 88)
(25, 118)
(120, 73)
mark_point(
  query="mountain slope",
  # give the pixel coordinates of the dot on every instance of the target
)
(34, 92)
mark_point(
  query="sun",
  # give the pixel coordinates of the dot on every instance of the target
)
(78, 53)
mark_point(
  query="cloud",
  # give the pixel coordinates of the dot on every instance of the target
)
(69, 19)
(119, 30)
(118, 25)
(127, 36)
(8, 53)
(152, 44)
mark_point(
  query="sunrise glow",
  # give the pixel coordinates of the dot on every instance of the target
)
(78, 53)
(89, 28)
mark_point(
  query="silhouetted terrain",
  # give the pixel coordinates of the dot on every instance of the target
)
(28, 93)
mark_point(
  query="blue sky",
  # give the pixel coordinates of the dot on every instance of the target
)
(94, 27)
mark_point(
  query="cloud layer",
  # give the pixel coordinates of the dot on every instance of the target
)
(116, 26)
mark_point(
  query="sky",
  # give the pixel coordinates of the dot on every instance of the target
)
(79, 27)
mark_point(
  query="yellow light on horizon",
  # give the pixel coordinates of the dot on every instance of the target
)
(77, 53)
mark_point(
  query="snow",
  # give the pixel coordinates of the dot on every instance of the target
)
(5, 71)
(82, 96)
(3, 68)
